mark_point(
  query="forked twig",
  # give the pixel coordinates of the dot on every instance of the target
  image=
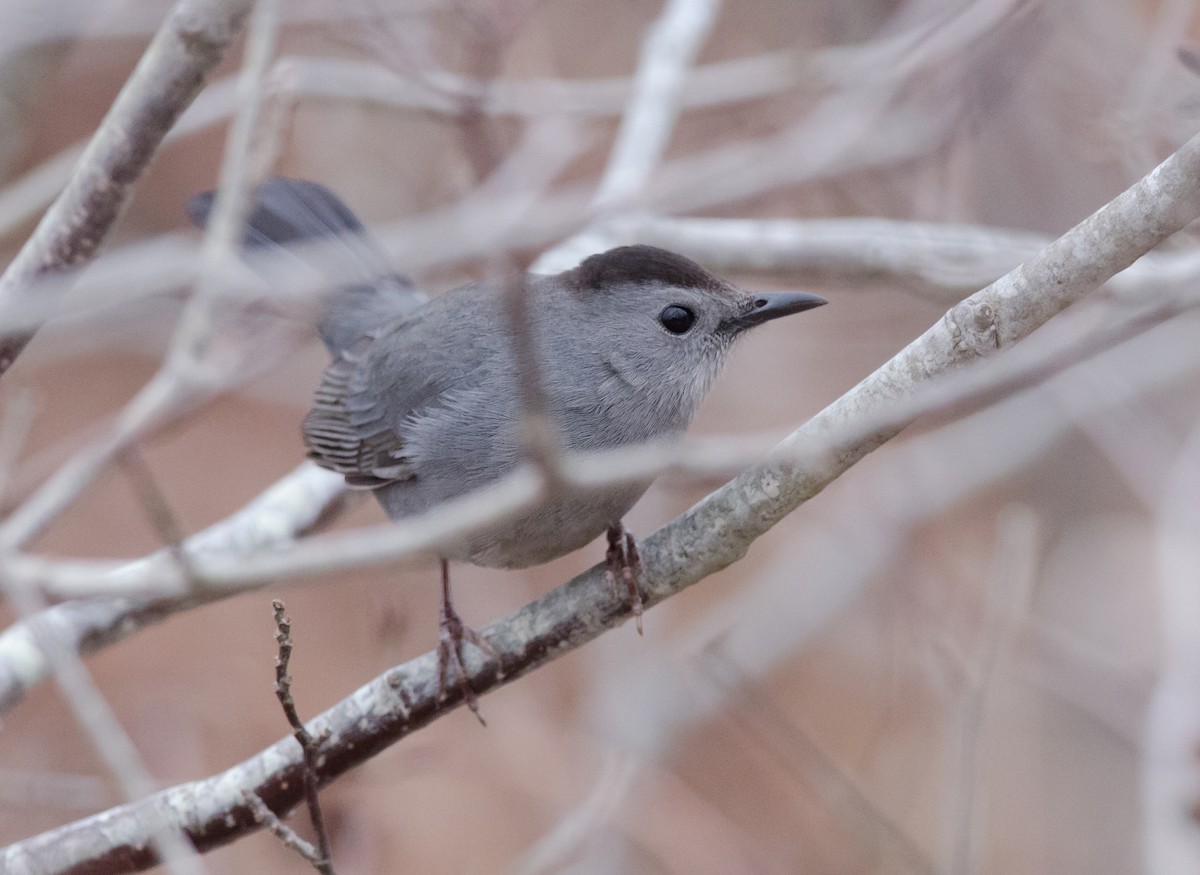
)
(310, 746)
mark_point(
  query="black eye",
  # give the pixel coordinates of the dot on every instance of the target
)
(676, 319)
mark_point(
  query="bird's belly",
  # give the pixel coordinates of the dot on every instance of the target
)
(566, 521)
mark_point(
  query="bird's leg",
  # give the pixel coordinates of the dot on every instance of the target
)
(623, 558)
(452, 633)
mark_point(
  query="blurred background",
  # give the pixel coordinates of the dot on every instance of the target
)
(972, 653)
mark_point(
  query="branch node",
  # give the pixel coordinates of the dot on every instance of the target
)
(974, 327)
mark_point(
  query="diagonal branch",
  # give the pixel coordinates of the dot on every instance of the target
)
(710, 536)
(169, 75)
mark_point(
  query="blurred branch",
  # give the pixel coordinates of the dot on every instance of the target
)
(667, 53)
(938, 261)
(295, 78)
(1013, 576)
(710, 85)
(861, 534)
(200, 359)
(941, 262)
(762, 719)
(109, 739)
(91, 710)
(1169, 773)
(864, 121)
(554, 851)
(944, 262)
(711, 535)
(297, 504)
(171, 72)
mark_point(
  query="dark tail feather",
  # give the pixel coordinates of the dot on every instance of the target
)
(289, 211)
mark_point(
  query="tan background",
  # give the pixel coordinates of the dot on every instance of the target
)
(845, 754)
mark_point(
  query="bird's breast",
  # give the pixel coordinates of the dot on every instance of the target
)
(564, 522)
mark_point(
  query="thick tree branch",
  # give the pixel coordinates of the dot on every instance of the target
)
(710, 536)
(170, 73)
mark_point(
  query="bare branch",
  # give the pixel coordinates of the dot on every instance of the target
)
(709, 85)
(669, 49)
(170, 74)
(554, 851)
(196, 365)
(297, 77)
(309, 746)
(295, 505)
(710, 536)
(91, 709)
(1013, 575)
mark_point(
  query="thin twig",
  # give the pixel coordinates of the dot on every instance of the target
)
(311, 747)
(283, 832)
(153, 499)
(1168, 777)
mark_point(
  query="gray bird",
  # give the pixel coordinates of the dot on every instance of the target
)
(420, 403)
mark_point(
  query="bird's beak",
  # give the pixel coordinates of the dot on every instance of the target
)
(772, 305)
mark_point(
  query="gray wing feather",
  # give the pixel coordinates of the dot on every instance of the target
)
(372, 412)
(350, 429)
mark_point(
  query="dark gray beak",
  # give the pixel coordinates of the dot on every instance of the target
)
(772, 305)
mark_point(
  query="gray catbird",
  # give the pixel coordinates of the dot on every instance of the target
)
(420, 403)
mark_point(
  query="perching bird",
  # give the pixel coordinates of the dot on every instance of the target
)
(420, 403)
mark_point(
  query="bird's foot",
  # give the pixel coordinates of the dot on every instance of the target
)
(453, 633)
(624, 559)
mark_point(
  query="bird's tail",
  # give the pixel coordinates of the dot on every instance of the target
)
(285, 212)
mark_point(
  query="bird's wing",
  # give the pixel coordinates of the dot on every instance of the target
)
(374, 407)
(349, 433)
(364, 396)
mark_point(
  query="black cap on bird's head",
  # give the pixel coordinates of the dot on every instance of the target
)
(657, 323)
(663, 270)
(644, 264)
